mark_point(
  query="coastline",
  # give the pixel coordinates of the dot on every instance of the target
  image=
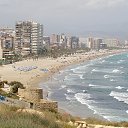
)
(89, 113)
(69, 61)
(33, 77)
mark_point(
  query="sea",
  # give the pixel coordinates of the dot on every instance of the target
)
(97, 87)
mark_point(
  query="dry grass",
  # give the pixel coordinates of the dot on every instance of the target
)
(107, 123)
(10, 118)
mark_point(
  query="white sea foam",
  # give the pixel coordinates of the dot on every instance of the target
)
(127, 111)
(122, 73)
(120, 96)
(120, 61)
(112, 80)
(92, 85)
(78, 71)
(63, 86)
(99, 86)
(106, 70)
(101, 62)
(116, 71)
(95, 70)
(79, 75)
(69, 97)
(81, 69)
(106, 76)
(70, 91)
(111, 118)
(119, 87)
(66, 78)
(84, 91)
(110, 56)
(83, 98)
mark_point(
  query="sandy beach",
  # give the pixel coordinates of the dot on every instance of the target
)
(32, 72)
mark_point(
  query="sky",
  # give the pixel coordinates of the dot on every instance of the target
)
(73, 17)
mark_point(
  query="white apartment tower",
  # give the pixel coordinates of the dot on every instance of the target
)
(29, 37)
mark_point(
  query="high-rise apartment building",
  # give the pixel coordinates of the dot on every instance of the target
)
(96, 43)
(111, 42)
(29, 37)
(90, 41)
(46, 42)
(74, 42)
(82, 42)
(7, 41)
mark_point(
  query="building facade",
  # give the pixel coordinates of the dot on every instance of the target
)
(74, 42)
(111, 42)
(7, 42)
(46, 42)
(7, 45)
(34, 96)
(29, 37)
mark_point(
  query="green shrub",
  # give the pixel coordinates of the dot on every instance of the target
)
(2, 83)
(15, 85)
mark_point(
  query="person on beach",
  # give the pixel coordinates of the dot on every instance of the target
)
(47, 96)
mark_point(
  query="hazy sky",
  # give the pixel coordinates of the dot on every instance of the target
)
(78, 17)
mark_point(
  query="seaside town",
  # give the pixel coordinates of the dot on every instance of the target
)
(28, 38)
(28, 57)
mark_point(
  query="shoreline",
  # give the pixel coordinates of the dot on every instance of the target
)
(90, 112)
(32, 78)
(76, 59)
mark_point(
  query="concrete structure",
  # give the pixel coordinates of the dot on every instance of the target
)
(55, 39)
(46, 105)
(58, 40)
(74, 42)
(96, 43)
(82, 42)
(46, 42)
(35, 99)
(7, 45)
(111, 42)
(7, 30)
(63, 41)
(90, 41)
(29, 37)
(1, 52)
(32, 95)
(7, 41)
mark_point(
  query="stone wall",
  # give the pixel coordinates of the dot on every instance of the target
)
(31, 94)
(46, 105)
(34, 97)
(15, 102)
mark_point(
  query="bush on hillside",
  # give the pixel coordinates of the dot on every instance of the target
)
(15, 85)
(2, 83)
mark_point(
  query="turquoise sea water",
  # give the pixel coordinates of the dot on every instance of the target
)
(100, 84)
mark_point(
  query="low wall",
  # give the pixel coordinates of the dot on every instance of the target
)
(34, 97)
(46, 105)
(31, 94)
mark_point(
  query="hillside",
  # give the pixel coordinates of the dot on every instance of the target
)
(13, 117)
